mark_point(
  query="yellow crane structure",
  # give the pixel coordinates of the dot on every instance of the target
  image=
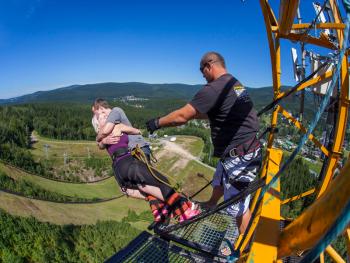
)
(308, 235)
(333, 194)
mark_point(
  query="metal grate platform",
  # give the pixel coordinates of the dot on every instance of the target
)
(146, 248)
(206, 234)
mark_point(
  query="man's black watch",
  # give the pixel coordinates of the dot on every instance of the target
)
(152, 125)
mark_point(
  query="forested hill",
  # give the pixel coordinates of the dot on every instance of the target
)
(174, 94)
(87, 93)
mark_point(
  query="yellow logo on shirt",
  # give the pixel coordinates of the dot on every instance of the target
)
(239, 90)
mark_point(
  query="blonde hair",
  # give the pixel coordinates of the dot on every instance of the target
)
(95, 124)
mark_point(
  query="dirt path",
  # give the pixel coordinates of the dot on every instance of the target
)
(177, 149)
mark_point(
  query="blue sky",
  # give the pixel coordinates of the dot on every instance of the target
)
(47, 44)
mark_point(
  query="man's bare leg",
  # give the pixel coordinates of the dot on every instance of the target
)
(243, 221)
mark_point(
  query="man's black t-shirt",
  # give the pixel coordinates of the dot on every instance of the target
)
(232, 117)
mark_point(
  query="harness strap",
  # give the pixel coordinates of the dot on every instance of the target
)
(242, 149)
(140, 155)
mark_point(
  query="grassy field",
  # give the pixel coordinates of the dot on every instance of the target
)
(57, 148)
(76, 155)
(77, 214)
(184, 171)
(192, 182)
(104, 189)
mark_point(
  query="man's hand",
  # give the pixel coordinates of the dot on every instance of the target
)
(152, 125)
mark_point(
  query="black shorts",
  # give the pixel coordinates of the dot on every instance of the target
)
(131, 173)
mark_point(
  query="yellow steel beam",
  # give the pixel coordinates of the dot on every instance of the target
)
(271, 15)
(340, 127)
(297, 197)
(337, 19)
(339, 26)
(334, 255)
(321, 78)
(347, 238)
(273, 43)
(288, 10)
(320, 26)
(309, 39)
(274, 46)
(322, 257)
(264, 245)
(306, 230)
(302, 129)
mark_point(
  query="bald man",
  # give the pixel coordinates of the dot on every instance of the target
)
(234, 125)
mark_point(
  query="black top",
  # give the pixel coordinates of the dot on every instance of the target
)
(232, 117)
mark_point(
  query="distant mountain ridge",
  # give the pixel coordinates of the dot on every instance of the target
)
(109, 90)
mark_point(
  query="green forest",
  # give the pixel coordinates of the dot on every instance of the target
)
(28, 240)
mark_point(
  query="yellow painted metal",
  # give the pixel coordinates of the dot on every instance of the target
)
(322, 257)
(340, 127)
(309, 39)
(334, 255)
(303, 129)
(347, 238)
(321, 78)
(296, 236)
(288, 10)
(337, 19)
(271, 15)
(274, 46)
(297, 197)
(320, 26)
(310, 226)
(264, 246)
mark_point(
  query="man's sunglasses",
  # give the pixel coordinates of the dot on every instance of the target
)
(206, 64)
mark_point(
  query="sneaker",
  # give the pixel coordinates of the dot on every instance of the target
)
(189, 213)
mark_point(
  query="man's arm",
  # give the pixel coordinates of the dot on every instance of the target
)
(180, 116)
(128, 129)
(105, 131)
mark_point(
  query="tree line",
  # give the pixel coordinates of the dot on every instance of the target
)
(31, 190)
(28, 240)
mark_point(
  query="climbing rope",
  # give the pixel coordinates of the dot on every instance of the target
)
(140, 155)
